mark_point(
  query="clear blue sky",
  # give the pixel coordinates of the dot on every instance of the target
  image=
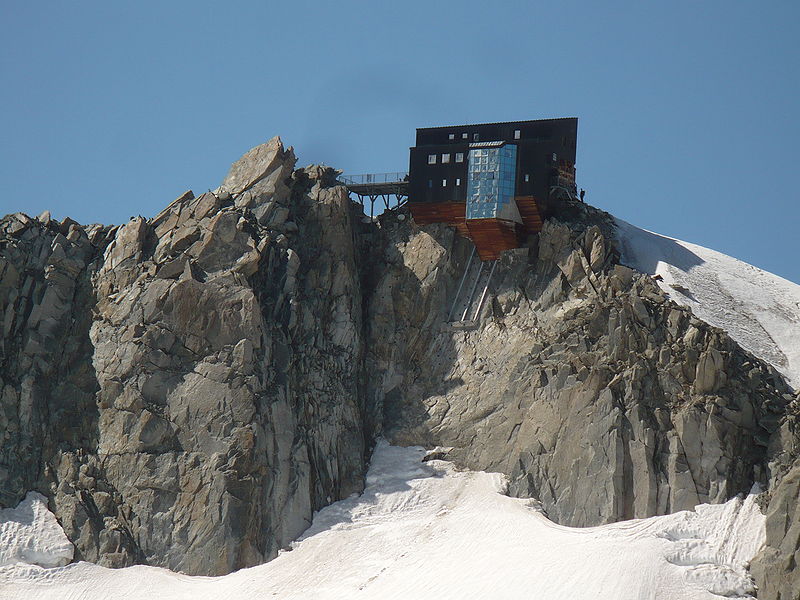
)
(688, 110)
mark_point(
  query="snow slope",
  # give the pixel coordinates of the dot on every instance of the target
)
(425, 530)
(759, 310)
(30, 533)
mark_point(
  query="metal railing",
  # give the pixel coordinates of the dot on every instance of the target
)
(369, 178)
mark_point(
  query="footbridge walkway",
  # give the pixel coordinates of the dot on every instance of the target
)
(392, 188)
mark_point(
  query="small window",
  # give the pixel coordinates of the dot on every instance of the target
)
(458, 181)
(555, 157)
(431, 159)
(430, 183)
(445, 158)
(451, 136)
(464, 136)
(475, 137)
(517, 134)
(444, 182)
(459, 157)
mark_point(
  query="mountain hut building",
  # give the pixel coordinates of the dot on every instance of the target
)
(494, 182)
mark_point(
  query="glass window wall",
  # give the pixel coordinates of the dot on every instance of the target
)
(491, 173)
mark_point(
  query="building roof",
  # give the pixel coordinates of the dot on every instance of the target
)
(498, 123)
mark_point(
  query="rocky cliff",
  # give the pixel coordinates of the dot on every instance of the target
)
(188, 389)
(584, 383)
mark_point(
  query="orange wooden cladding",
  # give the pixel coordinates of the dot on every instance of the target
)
(451, 213)
(490, 236)
(529, 211)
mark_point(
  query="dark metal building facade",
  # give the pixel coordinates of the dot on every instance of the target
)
(445, 163)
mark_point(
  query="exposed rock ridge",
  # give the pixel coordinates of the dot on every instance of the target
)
(584, 383)
(776, 568)
(188, 389)
(46, 382)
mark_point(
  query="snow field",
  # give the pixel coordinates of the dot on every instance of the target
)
(759, 310)
(425, 530)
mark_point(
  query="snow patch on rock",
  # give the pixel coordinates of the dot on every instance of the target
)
(31, 534)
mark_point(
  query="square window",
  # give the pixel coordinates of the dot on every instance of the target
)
(517, 133)
(475, 137)
(431, 159)
(464, 136)
(444, 182)
(459, 157)
(451, 136)
(445, 158)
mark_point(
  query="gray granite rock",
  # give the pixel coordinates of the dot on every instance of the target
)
(776, 567)
(583, 382)
(188, 389)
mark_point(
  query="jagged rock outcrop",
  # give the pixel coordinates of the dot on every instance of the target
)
(776, 568)
(188, 389)
(48, 388)
(584, 384)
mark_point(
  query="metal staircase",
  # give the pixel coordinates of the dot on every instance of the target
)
(472, 291)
